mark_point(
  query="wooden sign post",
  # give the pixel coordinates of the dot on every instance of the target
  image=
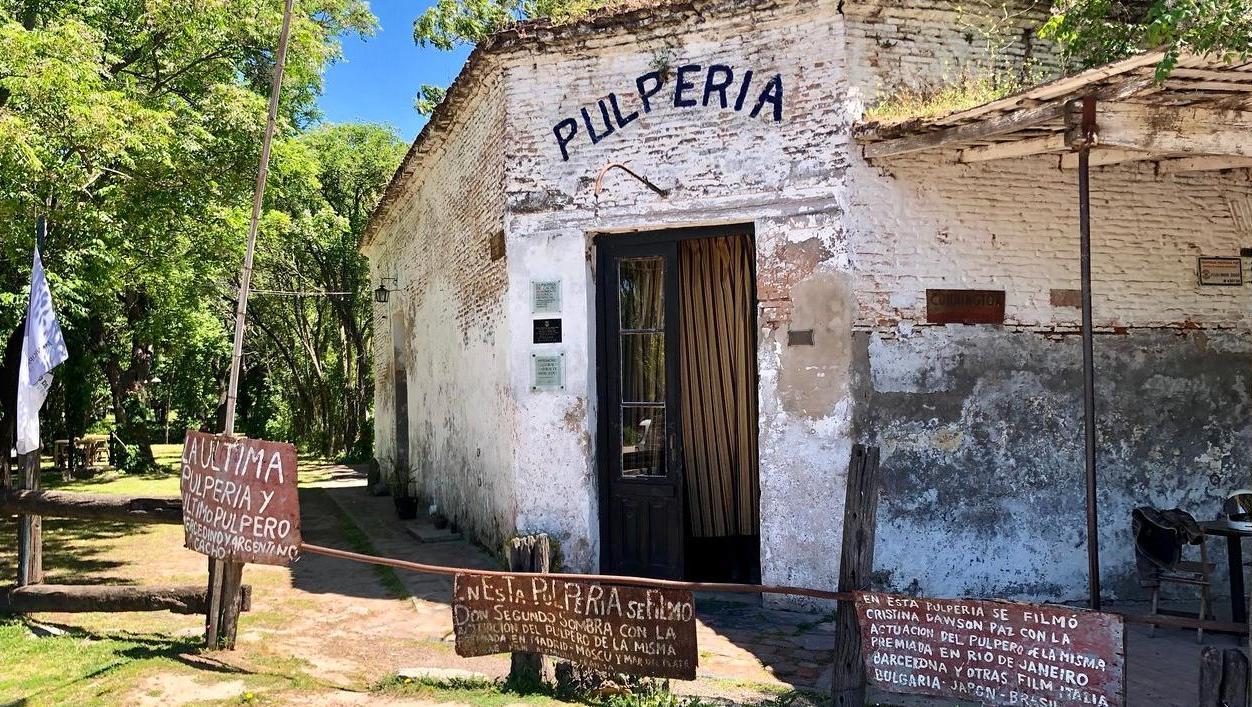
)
(240, 504)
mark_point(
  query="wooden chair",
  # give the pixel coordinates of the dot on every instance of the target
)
(1158, 550)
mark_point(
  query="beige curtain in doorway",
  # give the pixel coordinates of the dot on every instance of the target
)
(719, 396)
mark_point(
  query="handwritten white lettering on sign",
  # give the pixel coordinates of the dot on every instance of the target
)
(694, 85)
(999, 653)
(240, 502)
(643, 632)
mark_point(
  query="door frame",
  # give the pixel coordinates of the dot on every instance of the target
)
(647, 237)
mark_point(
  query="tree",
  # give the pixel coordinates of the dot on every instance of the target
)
(452, 23)
(1099, 31)
(135, 127)
(312, 343)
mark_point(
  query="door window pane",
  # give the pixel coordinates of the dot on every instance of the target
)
(642, 294)
(643, 441)
(643, 368)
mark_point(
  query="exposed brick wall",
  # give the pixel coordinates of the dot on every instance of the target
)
(927, 222)
(924, 43)
(450, 319)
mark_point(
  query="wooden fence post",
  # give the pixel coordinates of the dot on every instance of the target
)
(855, 565)
(532, 553)
(1223, 678)
(30, 528)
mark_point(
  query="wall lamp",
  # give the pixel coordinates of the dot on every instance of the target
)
(382, 294)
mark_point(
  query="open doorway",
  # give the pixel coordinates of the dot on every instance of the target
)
(680, 491)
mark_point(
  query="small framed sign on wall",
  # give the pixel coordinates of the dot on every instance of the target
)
(1221, 272)
(545, 297)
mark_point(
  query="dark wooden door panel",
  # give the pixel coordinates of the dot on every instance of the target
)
(641, 505)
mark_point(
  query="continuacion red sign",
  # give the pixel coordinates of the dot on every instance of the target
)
(641, 632)
(240, 500)
(999, 653)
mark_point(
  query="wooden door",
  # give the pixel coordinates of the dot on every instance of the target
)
(641, 497)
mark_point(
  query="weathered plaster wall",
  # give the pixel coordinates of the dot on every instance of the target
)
(450, 316)
(981, 427)
(722, 166)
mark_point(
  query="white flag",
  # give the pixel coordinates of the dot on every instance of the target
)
(43, 349)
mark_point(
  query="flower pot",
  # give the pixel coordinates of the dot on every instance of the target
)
(406, 507)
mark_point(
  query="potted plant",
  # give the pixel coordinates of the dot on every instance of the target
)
(402, 495)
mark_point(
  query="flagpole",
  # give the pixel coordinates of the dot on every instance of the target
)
(226, 578)
(30, 528)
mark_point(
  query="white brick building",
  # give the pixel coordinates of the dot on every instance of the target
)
(682, 423)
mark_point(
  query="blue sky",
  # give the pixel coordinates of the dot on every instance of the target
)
(380, 75)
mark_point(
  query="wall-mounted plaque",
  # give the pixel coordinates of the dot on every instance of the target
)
(965, 306)
(545, 297)
(548, 331)
(547, 372)
(1221, 272)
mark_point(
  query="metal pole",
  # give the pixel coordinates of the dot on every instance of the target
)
(1088, 348)
(225, 577)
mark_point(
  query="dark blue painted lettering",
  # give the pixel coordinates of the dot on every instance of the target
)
(711, 84)
(773, 94)
(682, 85)
(646, 94)
(565, 132)
(591, 129)
(617, 113)
(743, 90)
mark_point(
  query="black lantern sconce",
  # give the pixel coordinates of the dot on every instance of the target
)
(382, 294)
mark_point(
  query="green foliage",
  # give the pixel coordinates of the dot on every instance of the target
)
(134, 127)
(451, 23)
(1099, 31)
(311, 339)
(428, 98)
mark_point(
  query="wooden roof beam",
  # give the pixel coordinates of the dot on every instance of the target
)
(1204, 163)
(1174, 129)
(1015, 148)
(992, 126)
(1103, 156)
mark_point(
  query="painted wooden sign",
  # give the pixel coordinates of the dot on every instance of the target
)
(641, 632)
(240, 502)
(965, 306)
(999, 653)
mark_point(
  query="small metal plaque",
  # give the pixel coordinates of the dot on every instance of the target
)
(800, 337)
(545, 297)
(548, 331)
(965, 306)
(1221, 272)
(547, 372)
